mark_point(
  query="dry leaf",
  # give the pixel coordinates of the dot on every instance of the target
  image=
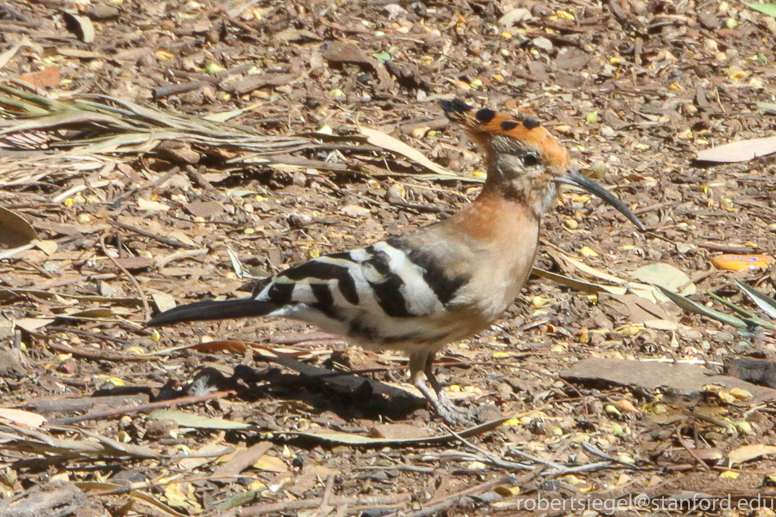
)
(16, 231)
(163, 301)
(48, 76)
(749, 452)
(271, 464)
(207, 453)
(665, 275)
(354, 210)
(32, 324)
(146, 204)
(389, 143)
(18, 416)
(741, 151)
(81, 26)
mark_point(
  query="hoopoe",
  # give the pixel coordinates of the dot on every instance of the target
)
(441, 283)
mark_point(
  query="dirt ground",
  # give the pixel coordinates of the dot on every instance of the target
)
(633, 89)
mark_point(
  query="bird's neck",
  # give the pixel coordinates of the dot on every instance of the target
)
(493, 217)
(521, 192)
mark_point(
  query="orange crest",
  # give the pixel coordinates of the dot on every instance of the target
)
(485, 123)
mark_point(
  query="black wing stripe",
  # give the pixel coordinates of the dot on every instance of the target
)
(281, 293)
(315, 269)
(388, 292)
(347, 287)
(321, 270)
(436, 276)
(325, 303)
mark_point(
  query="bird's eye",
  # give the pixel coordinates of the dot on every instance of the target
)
(530, 160)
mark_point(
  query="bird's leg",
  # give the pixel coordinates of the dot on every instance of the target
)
(420, 370)
(440, 393)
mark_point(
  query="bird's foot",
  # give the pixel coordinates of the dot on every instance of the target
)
(452, 414)
(444, 407)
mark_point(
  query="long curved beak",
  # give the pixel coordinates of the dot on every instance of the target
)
(576, 179)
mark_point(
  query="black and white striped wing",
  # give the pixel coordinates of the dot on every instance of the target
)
(389, 292)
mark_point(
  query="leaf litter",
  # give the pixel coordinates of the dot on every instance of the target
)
(124, 143)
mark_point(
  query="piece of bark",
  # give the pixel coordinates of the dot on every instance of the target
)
(756, 371)
(51, 500)
(685, 379)
(339, 53)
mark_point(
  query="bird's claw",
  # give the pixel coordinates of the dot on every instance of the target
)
(444, 407)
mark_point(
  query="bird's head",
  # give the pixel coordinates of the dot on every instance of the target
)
(524, 160)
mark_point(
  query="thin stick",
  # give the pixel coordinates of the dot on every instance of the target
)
(492, 457)
(598, 452)
(323, 509)
(582, 468)
(151, 184)
(164, 240)
(291, 506)
(139, 289)
(455, 498)
(689, 449)
(183, 401)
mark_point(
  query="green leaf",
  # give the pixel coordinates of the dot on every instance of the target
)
(185, 419)
(580, 285)
(691, 306)
(240, 499)
(746, 315)
(665, 275)
(769, 9)
(765, 303)
(767, 107)
(358, 439)
(382, 57)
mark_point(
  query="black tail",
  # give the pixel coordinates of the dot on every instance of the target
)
(211, 310)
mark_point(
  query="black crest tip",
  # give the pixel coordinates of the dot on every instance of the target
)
(485, 115)
(530, 123)
(455, 106)
(508, 125)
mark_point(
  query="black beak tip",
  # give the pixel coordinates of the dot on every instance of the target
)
(573, 177)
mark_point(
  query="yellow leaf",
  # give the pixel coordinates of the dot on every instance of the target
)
(586, 251)
(180, 495)
(505, 491)
(271, 464)
(163, 54)
(626, 405)
(741, 394)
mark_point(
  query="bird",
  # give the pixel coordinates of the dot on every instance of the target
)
(441, 283)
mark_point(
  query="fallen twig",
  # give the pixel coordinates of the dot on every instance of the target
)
(324, 508)
(139, 289)
(290, 506)
(145, 233)
(453, 499)
(492, 458)
(125, 410)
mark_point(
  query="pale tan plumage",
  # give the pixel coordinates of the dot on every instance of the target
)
(441, 283)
